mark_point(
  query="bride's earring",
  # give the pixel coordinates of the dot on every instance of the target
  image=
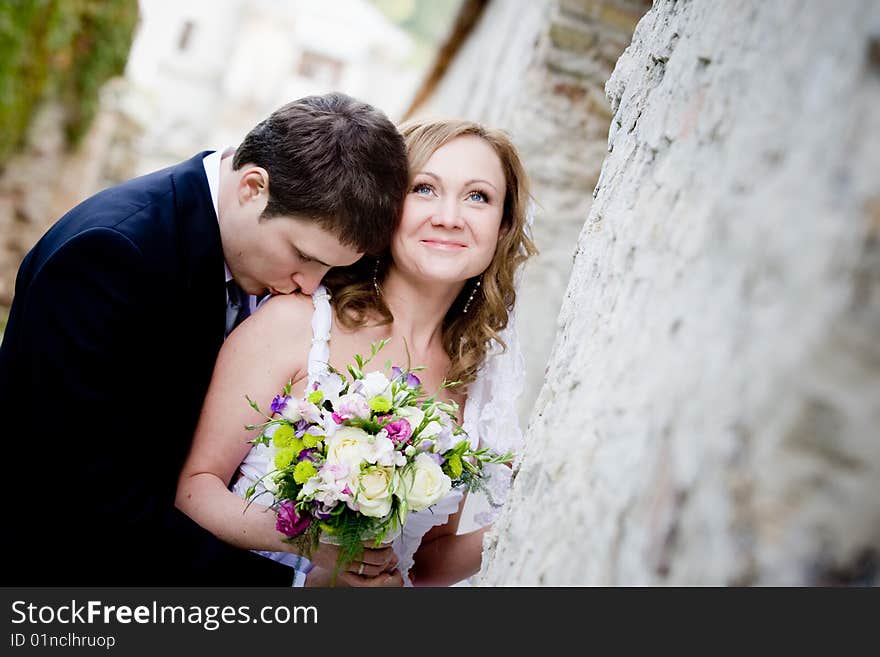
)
(376, 279)
(471, 297)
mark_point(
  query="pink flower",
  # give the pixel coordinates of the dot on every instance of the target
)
(352, 406)
(289, 523)
(399, 432)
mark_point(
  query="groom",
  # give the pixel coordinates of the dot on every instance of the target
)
(119, 313)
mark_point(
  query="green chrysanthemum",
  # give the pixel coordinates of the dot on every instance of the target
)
(316, 397)
(304, 471)
(380, 404)
(285, 457)
(283, 436)
(309, 441)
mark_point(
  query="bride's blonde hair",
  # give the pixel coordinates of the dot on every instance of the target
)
(465, 336)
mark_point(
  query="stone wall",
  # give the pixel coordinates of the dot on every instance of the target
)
(537, 68)
(45, 179)
(712, 408)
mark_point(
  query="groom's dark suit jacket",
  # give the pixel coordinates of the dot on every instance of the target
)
(116, 322)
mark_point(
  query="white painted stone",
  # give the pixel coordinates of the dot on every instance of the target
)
(712, 409)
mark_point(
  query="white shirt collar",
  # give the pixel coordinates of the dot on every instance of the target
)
(211, 163)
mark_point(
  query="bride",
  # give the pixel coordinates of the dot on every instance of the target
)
(443, 295)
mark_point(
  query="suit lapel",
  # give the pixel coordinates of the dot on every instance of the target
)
(201, 253)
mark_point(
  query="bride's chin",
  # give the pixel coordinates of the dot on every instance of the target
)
(439, 279)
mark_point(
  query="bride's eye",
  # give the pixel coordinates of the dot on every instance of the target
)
(422, 189)
(477, 197)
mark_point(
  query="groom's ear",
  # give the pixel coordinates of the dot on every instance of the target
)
(253, 184)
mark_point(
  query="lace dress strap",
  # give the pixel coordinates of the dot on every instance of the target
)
(319, 354)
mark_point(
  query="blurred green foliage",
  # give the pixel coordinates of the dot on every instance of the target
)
(426, 21)
(60, 49)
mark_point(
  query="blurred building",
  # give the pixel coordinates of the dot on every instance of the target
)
(204, 72)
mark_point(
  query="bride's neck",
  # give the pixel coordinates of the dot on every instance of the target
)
(418, 309)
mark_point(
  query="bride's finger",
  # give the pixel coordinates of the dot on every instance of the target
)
(378, 557)
(363, 569)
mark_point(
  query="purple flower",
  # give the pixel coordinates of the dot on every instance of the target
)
(300, 428)
(289, 523)
(445, 439)
(278, 403)
(399, 432)
(307, 455)
(320, 511)
(411, 379)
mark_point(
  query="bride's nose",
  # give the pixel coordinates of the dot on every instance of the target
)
(448, 214)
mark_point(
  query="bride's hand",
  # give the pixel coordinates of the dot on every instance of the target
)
(372, 563)
(387, 579)
(321, 577)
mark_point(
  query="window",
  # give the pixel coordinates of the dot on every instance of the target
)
(185, 37)
(320, 68)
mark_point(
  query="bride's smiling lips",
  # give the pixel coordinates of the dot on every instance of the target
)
(444, 245)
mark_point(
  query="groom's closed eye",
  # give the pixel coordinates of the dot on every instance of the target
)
(307, 258)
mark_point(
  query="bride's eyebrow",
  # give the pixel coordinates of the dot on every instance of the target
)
(480, 180)
(469, 182)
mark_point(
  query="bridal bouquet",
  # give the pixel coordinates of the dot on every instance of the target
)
(356, 455)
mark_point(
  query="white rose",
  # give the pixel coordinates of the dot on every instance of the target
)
(375, 384)
(425, 483)
(347, 447)
(375, 491)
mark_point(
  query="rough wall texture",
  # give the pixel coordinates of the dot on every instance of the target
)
(43, 181)
(538, 69)
(712, 409)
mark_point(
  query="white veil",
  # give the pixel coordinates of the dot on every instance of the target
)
(491, 413)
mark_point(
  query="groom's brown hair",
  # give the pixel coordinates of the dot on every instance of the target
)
(335, 160)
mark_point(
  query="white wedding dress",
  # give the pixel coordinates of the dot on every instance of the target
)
(490, 417)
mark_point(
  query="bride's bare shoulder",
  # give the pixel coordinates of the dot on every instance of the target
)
(293, 308)
(282, 323)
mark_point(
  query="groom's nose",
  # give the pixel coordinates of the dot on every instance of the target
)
(308, 282)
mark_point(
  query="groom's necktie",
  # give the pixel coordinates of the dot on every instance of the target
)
(238, 306)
